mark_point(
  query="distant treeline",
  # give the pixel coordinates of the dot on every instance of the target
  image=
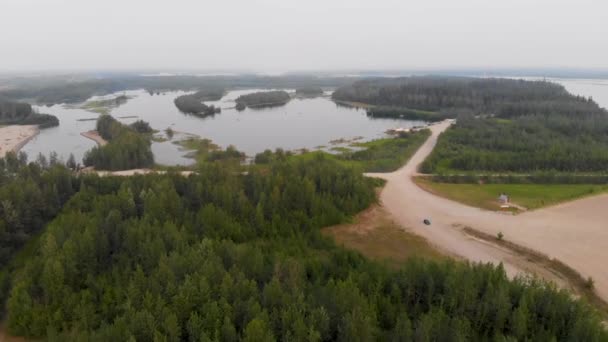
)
(78, 88)
(262, 99)
(309, 91)
(16, 113)
(192, 103)
(505, 98)
(126, 148)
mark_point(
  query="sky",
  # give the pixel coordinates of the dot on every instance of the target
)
(303, 35)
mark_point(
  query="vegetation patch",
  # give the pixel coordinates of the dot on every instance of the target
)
(263, 99)
(309, 91)
(530, 196)
(204, 150)
(16, 113)
(105, 106)
(126, 149)
(193, 103)
(386, 155)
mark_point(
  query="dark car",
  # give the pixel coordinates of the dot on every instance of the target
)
(427, 222)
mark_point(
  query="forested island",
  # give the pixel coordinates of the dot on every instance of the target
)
(309, 91)
(232, 256)
(263, 99)
(17, 113)
(126, 148)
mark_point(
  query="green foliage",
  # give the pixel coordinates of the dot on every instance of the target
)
(230, 256)
(125, 150)
(504, 98)
(263, 99)
(192, 104)
(30, 195)
(528, 144)
(141, 126)
(386, 155)
(15, 113)
(408, 114)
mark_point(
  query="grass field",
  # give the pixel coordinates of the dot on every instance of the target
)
(530, 196)
(385, 155)
(375, 236)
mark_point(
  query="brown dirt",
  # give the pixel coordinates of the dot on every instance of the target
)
(94, 135)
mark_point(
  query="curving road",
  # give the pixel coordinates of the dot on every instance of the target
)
(575, 233)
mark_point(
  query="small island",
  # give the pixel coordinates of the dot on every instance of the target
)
(309, 92)
(263, 99)
(193, 103)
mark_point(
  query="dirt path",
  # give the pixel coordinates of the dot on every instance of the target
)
(575, 233)
(14, 137)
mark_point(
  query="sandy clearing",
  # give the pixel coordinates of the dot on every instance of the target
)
(94, 135)
(14, 137)
(575, 233)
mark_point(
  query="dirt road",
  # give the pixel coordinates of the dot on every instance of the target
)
(575, 233)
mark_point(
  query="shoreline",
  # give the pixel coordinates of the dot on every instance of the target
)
(14, 137)
(94, 135)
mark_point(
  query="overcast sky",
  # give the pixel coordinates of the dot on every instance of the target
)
(292, 35)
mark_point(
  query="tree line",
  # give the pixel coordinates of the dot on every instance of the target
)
(226, 256)
(126, 148)
(529, 144)
(18, 113)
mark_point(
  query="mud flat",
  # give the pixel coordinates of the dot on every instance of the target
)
(14, 137)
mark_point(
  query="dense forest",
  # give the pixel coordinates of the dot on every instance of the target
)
(16, 113)
(225, 256)
(528, 144)
(126, 148)
(192, 103)
(263, 99)
(503, 125)
(504, 98)
(309, 91)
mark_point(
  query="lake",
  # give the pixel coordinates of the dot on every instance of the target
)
(302, 123)
(310, 123)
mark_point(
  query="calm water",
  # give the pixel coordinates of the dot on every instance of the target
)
(302, 123)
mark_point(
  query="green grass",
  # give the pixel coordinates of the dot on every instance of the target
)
(105, 106)
(385, 155)
(530, 196)
(199, 149)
